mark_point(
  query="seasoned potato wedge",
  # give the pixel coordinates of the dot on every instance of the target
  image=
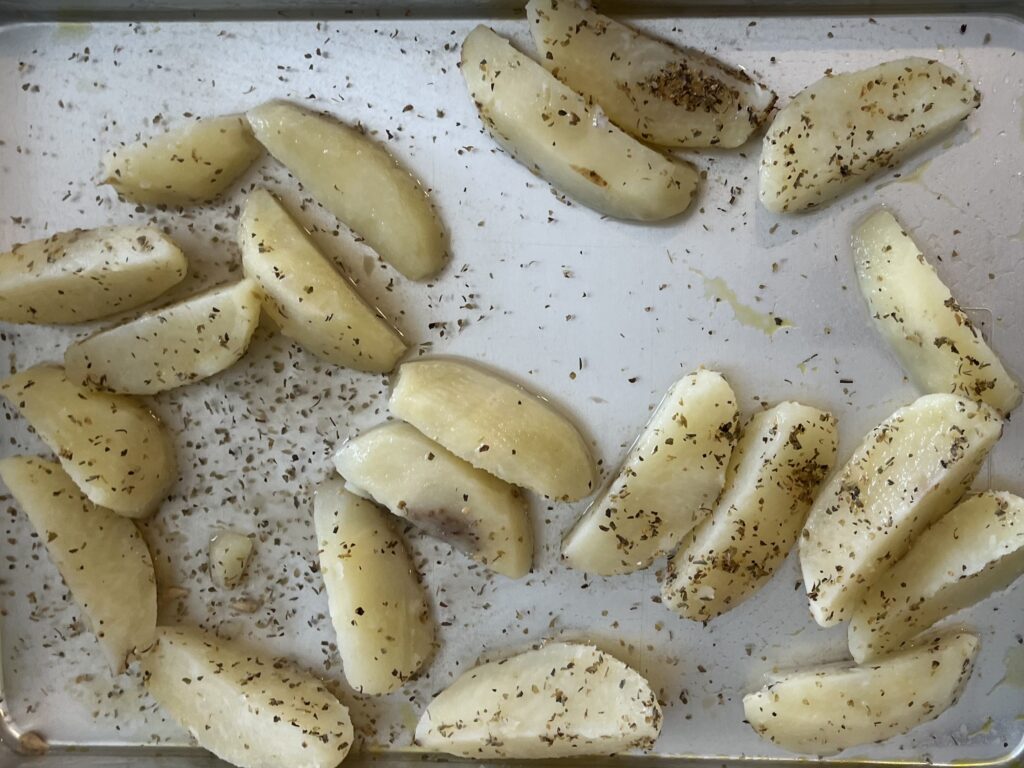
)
(495, 425)
(908, 471)
(308, 298)
(561, 700)
(971, 552)
(648, 88)
(922, 322)
(448, 498)
(113, 448)
(188, 165)
(86, 274)
(247, 709)
(378, 607)
(101, 555)
(229, 556)
(170, 347)
(825, 710)
(845, 127)
(358, 180)
(554, 132)
(667, 484)
(782, 456)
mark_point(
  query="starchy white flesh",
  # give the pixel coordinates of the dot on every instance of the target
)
(189, 165)
(827, 709)
(554, 132)
(246, 708)
(170, 347)
(781, 458)
(561, 700)
(229, 556)
(495, 425)
(667, 484)
(358, 180)
(648, 88)
(446, 497)
(114, 449)
(378, 606)
(306, 296)
(845, 127)
(971, 552)
(914, 311)
(908, 471)
(86, 274)
(101, 556)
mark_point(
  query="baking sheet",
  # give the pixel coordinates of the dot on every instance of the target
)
(601, 316)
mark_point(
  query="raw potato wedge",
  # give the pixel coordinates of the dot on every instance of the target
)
(845, 127)
(561, 700)
(446, 497)
(667, 484)
(780, 460)
(101, 556)
(229, 556)
(308, 298)
(358, 180)
(915, 313)
(552, 130)
(171, 347)
(495, 425)
(87, 274)
(648, 88)
(827, 709)
(971, 552)
(908, 471)
(185, 166)
(114, 449)
(247, 709)
(378, 606)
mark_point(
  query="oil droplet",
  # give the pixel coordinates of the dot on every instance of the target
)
(916, 176)
(985, 728)
(716, 288)
(1019, 235)
(1014, 668)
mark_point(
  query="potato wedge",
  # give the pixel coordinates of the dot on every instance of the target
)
(667, 484)
(561, 700)
(827, 709)
(379, 609)
(648, 88)
(308, 298)
(229, 557)
(781, 458)
(360, 182)
(495, 425)
(971, 552)
(185, 166)
(554, 132)
(908, 471)
(915, 313)
(247, 709)
(101, 556)
(446, 497)
(171, 347)
(113, 448)
(840, 130)
(87, 274)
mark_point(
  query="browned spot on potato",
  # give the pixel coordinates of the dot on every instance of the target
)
(590, 175)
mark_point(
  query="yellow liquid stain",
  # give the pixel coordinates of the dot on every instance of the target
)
(716, 288)
(71, 30)
(916, 176)
(985, 728)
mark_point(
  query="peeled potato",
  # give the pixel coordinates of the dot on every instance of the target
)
(443, 495)
(845, 127)
(554, 132)
(229, 556)
(170, 347)
(86, 274)
(101, 556)
(667, 484)
(111, 446)
(561, 700)
(648, 88)
(248, 709)
(188, 165)
(908, 471)
(378, 606)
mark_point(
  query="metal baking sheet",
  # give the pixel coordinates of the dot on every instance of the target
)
(599, 315)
